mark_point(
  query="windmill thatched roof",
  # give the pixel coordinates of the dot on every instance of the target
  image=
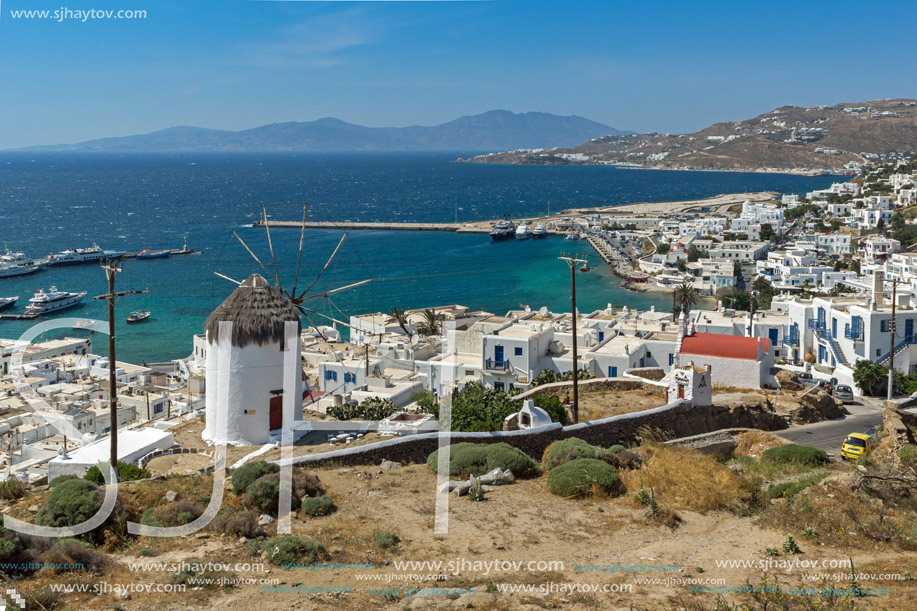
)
(258, 312)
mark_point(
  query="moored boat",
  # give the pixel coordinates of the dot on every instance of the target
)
(6, 302)
(153, 254)
(540, 231)
(503, 230)
(523, 231)
(17, 264)
(138, 316)
(43, 303)
(83, 255)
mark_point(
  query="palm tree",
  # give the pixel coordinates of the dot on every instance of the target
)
(685, 296)
(400, 317)
(762, 285)
(432, 323)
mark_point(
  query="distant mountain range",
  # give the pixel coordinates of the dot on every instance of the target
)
(495, 130)
(789, 138)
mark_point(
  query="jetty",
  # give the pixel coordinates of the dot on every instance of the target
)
(480, 227)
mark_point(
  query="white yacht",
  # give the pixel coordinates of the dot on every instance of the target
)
(6, 302)
(523, 231)
(43, 303)
(83, 255)
(540, 231)
(17, 264)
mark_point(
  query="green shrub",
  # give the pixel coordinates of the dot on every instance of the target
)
(248, 474)
(148, 552)
(582, 477)
(908, 455)
(317, 506)
(385, 539)
(573, 448)
(8, 547)
(265, 493)
(480, 458)
(60, 479)
(790, 546)
(151, 519)
(126, 473)
(292, 550)
(12, 489)
(70, 503)
(476, 493)
(793, 453)
(371, 408)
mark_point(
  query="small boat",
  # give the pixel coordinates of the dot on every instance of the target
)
(6, 302)
(138, 316)
(584, 268)
(540, 231)
(153, 254)
(523, 231)
(572, 236)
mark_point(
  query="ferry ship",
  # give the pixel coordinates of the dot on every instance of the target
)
(44, 303)
(79, 256)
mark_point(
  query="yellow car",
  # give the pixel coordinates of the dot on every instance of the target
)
(856, 445)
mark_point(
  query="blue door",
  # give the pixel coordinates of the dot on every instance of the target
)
(822, 354)
(909, 327)
(612, 372)
(773, 334)
(498, 354)
(834, 328)
(821, 317)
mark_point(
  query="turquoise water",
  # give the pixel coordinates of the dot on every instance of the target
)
(49, 202)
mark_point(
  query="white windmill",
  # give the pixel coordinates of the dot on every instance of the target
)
(254, 355)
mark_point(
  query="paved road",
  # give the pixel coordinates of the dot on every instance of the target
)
(829, 435)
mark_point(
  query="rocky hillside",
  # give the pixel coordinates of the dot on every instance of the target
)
(817, 138)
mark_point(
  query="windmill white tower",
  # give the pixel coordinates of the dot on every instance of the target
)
(245, 371)
(254, 357)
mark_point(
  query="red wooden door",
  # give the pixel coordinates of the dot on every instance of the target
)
(681, 392)
(276, 414)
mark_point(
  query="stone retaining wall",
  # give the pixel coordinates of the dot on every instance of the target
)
(143, 462)
(678, 419)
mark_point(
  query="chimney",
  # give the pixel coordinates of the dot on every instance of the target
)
(878, 288)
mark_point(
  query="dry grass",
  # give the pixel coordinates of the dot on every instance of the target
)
(685, 479)
(753, 443)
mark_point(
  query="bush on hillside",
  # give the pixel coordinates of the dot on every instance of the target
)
(318, 506)
(12, 489)
(908, 455)
(265, 493)
(385, 539)
(60, 479)
(247, 474)
(793, 453)
(573, 448)
(292, 550)
(238, 524)
(583, 477)
(479, 458)
(371, 408)
(554, 406)
(73, 552)
(70, 503)
(126, 473)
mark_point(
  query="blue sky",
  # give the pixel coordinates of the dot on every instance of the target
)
(639, 65)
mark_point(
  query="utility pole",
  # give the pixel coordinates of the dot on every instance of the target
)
(111, 268)
(891, 350)
(573, 260)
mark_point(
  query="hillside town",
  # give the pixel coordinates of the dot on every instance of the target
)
(805, 284)
(749, 398)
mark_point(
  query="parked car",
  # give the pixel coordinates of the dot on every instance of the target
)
(805, 378)
(856, 445)
(844, 393)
